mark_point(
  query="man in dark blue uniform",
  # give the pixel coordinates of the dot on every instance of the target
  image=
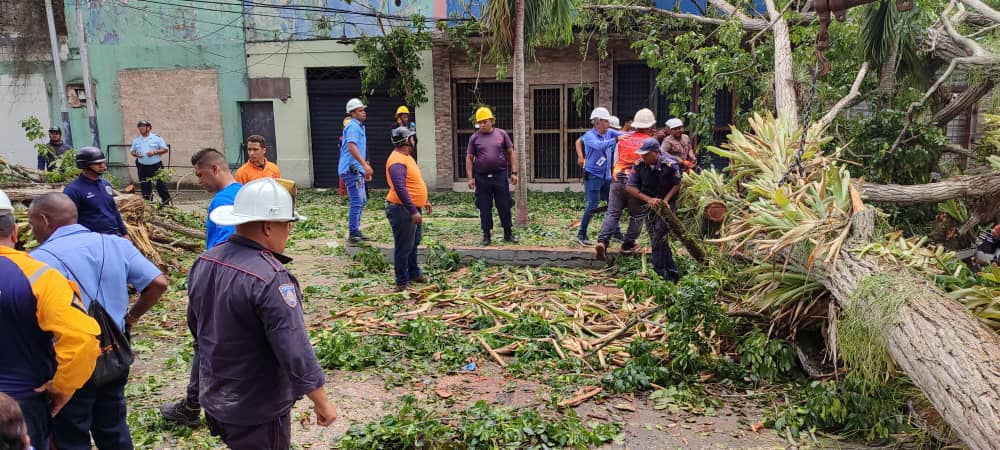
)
(55, 151)
(245, 312)
(93, 195)
(655, 180)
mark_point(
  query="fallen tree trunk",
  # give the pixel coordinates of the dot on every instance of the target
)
(947, 352)
(958, 187)
(982, 192)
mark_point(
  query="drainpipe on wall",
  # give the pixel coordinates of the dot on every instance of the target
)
(60, 86)
(85, 64)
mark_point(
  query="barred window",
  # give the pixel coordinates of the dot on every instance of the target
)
(560, 115)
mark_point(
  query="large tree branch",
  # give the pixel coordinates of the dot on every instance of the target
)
(784, 77)
(970, 186)
(852, 98)
(962, 102)
(983, 9)
(979, 56)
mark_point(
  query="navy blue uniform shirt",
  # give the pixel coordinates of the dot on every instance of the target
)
(245, 312)
(95, 205)
(658, 179)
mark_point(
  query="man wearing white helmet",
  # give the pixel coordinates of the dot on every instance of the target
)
(245, 313)
(354, 168)
(618, 199)
(678, 144)
(597, 157)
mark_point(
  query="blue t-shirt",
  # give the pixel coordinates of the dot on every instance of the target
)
(217, 234)
(598, 152)
(150, 143)
(95, 205)
(105, 265)
(354, 132)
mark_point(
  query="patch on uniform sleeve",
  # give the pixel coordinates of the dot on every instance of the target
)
(107, 189)
(289, 295)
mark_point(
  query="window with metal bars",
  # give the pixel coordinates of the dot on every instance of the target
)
(560, 115)
(470, 95)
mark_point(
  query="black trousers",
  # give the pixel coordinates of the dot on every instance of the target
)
(97, 412)
(273, 435)
(36, 415)
(145, 173)
(493, 189)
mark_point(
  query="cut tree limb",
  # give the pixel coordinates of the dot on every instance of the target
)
(576, 400)
(971, 186)
(784, 76)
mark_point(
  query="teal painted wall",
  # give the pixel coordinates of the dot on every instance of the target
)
(154, 36)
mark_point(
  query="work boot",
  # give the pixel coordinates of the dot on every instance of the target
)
(486, 239)
(508, 236)
(600, 250)
(363, 236)
(419, 279)
(582, 240)
(181, 413)
(402, 287)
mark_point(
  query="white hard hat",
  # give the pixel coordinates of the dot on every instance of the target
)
(600, 112)
(353, 104)
(674, 123)
(644, 118)
(5, 205)
(261, 200)
(615, 122)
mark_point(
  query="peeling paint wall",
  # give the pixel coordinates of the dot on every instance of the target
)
(303, 20)
(127, 36)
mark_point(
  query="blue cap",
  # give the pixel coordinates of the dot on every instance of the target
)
(649, 145)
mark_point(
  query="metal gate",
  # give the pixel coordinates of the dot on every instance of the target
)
(329, 89)
(258, 118)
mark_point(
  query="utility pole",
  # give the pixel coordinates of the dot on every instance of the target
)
(85, 64)
(60, 86)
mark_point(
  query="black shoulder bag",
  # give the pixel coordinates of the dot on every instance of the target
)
(116, 348)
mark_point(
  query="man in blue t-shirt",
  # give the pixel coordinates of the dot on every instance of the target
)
(596, 154)
(354, 169)
(212, 170)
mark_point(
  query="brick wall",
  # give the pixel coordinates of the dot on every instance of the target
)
(183, 106)
(551, 67)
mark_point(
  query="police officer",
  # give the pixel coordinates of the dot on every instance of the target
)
(103, 267)
(55, 151)
(486, 160)
(93, 195)
(148, 149)
(245, 312)
(50, 343)
(655, 181)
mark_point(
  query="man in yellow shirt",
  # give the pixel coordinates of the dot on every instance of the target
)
(257, 165)
(50, 343)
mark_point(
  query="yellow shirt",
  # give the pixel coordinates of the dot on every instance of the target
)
(59, 311)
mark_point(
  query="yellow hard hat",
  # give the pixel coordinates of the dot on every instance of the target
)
(347, 120)
(402, 110)
(483, 113)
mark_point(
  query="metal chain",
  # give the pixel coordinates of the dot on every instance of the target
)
(797, 163)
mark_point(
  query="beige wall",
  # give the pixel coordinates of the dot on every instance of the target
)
(291, 117)
(182, 105)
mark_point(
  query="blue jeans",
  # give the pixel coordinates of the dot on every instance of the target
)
(406, 237)
(595, 189)
(355, 184)
(94, 411)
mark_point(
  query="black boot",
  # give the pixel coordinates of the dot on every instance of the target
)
(508, 236)
(486, 239)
